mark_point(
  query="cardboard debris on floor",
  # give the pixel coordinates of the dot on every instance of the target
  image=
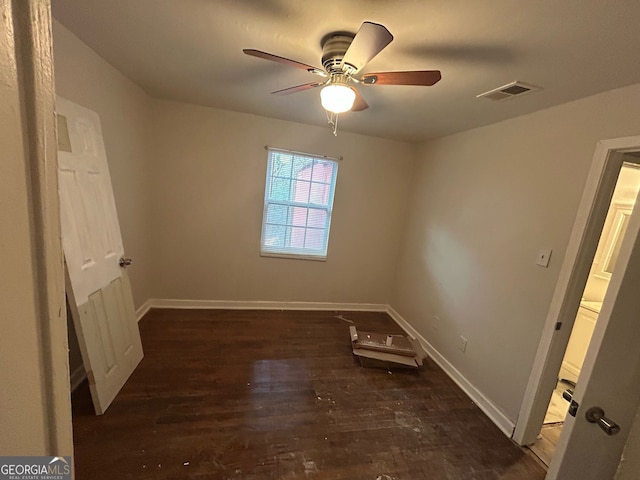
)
(386, 351)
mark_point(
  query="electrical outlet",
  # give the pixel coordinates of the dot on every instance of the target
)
(462, 344)
(436, 322)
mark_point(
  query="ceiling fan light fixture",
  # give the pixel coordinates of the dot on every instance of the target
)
(337, 98)
(344, 55)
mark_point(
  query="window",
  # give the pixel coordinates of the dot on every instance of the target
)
(297, 205)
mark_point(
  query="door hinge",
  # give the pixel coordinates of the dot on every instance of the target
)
(568, 395)
(573, 408)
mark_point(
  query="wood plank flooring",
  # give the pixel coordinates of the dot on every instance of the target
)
(546, 443)
(278, 395)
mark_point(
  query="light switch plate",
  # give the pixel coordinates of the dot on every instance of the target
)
(543, 257)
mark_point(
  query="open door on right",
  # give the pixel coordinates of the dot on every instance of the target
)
(602, 267)
(607, 394)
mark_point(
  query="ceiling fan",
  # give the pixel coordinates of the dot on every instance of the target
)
(344, 55)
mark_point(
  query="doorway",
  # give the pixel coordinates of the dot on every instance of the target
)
(611, 359)
(615, 225)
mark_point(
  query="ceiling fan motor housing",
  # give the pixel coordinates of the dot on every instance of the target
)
(333, 49)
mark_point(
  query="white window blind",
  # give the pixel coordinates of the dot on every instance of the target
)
(298, 201)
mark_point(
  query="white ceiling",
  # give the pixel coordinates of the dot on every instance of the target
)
(191, 51)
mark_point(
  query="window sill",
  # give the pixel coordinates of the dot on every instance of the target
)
(294, 256)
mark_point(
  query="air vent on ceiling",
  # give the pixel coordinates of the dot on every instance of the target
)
(509, 90)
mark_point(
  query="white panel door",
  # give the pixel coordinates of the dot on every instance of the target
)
(98, 288)
(610, 375)
(91, 235)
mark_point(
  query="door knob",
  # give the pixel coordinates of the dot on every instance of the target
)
(596, 415)
(125, 262)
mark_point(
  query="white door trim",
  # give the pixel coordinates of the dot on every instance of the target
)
(32, 31)
(574, 272)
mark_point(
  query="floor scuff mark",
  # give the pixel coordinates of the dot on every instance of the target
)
(408, 421)
(309, 467)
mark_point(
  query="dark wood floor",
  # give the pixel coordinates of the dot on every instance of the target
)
(278, 395)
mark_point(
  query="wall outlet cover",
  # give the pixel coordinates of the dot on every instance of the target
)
(543, 257)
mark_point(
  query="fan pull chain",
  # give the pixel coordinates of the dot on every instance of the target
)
(332, 119)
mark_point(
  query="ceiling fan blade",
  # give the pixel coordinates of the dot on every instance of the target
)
(419, 77)
(284, 61)
(298, 88)
(359, 103)
(370, 40)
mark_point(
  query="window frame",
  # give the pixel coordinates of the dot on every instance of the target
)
(292, 252)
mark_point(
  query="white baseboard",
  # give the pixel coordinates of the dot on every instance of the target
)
(77, 376)
(143, 309)
(261, 305)
(490, 410)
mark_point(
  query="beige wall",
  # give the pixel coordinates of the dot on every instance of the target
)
(190, 201)
(483, 203)
(208, 175)
(85, 78)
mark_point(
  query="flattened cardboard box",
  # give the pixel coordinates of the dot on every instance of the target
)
(381, 350)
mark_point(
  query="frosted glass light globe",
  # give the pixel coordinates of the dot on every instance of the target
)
(337, 98)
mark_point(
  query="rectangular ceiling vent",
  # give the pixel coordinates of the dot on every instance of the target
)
(509, 90)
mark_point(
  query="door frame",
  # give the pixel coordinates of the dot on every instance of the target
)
(605, 168)
(32, 39)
